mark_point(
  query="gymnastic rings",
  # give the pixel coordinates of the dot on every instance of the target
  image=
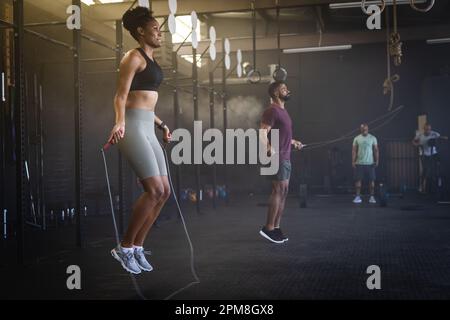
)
(413, 5)
(363, 6)
(254, 76)
(280, 74)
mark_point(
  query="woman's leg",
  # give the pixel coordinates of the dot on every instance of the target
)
(143, 208)
(148, 223)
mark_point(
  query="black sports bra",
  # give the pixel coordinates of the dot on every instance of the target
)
(148, 79)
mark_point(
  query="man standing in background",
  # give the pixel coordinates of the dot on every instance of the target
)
(428, 152)
(365, 158)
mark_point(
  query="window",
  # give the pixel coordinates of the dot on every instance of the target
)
(184, 26)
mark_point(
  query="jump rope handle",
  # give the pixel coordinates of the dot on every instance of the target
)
(303, 146)
(107, 146)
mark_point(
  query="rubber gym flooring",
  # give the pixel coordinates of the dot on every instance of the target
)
(331, 244)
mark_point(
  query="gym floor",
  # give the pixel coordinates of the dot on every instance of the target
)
(331, 244)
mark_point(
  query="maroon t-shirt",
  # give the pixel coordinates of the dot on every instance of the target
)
(278, 118)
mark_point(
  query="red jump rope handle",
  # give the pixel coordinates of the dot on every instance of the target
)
(107, 146)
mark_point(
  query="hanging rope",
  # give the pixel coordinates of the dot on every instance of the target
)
(278, 34)
(254, 33)
(254, 76)
(280, 73)
(319, 25)
(320, 38)
(388, 84)
(395, 45)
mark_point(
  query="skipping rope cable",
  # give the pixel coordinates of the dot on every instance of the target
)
(191, 247)
(390, 115)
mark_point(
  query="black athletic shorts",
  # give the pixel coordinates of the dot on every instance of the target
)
(365, 170)
(284, 171)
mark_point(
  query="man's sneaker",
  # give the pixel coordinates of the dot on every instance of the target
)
(142, 262)
(372, 199)
(126, 259)
(272, 235)
(281, 234)
(357, 199)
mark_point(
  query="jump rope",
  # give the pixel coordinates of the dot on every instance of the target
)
(191, 247)
(389, 115)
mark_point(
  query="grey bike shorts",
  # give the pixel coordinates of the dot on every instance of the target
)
(140, 145)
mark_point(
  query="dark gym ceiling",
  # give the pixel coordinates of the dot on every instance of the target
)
(303, 16)
(301, 21)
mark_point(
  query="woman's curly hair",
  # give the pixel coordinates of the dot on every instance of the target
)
(134, 18)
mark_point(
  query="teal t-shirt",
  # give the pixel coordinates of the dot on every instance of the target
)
(365, 149)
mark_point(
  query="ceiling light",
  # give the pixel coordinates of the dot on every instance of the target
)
(438, 41)
(316, 49)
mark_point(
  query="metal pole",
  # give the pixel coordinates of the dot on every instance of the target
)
(5, 224)
(46, 24)
(6, 24)
(3, 154)
(176, 112)
(195, 97)
(3, 87)
(20, 134)
(100, 59)
(44, 37)
(119, 53)
(211, 120)
(212, 125)
(100, 43)
(225, 120)
(2, 145)
(78, 130)
(41, 160)
(36, 145)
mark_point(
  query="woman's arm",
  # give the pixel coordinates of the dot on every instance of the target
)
(158, 123)
(167, 135)
(128, 67)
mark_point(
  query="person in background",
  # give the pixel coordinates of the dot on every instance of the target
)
(429, 156)
(277, 117)
(365, 158)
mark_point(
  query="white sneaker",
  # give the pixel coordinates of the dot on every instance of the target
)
(142, 262)
(126, 259)
(357, 199)
(372, 199)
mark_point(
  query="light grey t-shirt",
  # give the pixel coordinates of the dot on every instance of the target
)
(424, 148)
(365, 149)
